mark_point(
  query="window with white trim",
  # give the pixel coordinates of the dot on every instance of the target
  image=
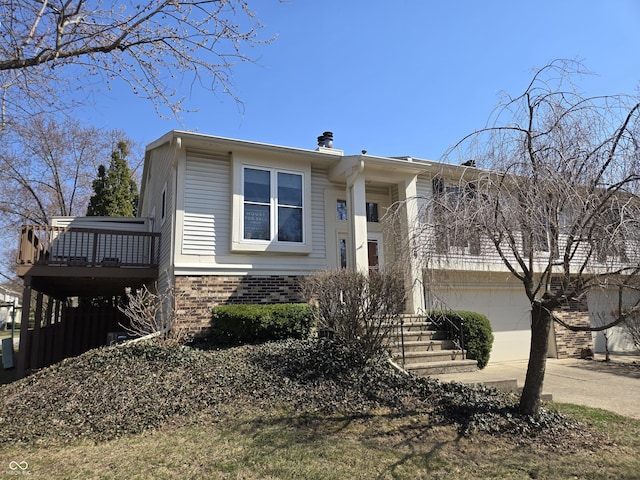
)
(370, 207)
(272, 205)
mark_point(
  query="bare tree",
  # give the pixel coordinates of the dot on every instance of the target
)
(357, 308)
(49, 46)
(550, 194)
(632, 328)
(46, 170)
(55, 53)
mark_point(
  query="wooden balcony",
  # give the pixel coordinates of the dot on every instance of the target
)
(70, 261)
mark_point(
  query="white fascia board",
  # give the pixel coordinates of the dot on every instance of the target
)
(208, 141)
(387, 168)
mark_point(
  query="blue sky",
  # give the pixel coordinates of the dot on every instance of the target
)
(408, 77)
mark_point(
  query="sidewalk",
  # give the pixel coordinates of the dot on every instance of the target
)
(613, 386)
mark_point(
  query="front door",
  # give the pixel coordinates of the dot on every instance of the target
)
(374, 251)
(338, 218)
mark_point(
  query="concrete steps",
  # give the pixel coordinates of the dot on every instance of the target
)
(427, 351)
(430, 369)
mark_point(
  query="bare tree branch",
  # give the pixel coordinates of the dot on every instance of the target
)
(50, 44)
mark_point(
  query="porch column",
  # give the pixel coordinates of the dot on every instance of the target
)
(358, 218)
(408, 193)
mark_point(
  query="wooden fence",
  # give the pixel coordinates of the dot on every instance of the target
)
(59, 331)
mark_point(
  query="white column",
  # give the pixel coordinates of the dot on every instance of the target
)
(358, 218)
(408, 193)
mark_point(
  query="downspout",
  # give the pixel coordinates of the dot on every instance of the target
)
(177, 145)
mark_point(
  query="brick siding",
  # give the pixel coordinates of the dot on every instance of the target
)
(569, 344)
(196, 295)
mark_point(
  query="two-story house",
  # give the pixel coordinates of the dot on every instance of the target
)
(228, 221)
(242, 221)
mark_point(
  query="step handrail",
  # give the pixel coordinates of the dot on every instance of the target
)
(440, 318)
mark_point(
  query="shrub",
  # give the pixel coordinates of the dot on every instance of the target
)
(232, 324)
(151, 311)
(478, 336)
(356, 308)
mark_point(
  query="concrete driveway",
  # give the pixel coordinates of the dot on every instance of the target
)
(613, 386)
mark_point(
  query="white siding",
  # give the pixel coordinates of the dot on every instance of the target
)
(319, 183)
(207, 206)
(161, 173)
(423, 187)
(103, 223)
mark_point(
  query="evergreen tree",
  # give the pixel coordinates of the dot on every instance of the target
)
(115, 190)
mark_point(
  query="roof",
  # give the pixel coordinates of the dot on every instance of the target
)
(330, 157)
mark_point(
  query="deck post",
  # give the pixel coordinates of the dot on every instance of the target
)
(50, 334)
(36, 337)
(61, 330)
(24, 329)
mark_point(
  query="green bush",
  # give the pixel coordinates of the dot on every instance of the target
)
(478, 336)
(233, 324)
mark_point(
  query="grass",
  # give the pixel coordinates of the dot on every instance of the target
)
(265, 437)
(262, 445)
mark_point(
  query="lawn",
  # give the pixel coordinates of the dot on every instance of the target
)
(281, 411)
(259, 445)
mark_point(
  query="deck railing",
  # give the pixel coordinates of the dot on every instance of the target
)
(70, 246)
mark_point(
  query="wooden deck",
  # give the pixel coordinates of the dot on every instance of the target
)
(58, 263)
(64, 261)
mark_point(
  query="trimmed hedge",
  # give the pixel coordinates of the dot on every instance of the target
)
(235, 324)
(478, 336)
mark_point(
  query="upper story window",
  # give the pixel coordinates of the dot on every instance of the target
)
(540, 228)
(609, 236)
(372, 212)
(371, 209)
(447, 199)
(272, 205)
(341, 210)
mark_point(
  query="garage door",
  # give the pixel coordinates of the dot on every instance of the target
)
(508, 310)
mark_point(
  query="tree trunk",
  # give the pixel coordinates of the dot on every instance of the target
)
(541, 321)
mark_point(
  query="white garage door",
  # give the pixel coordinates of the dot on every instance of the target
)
(601, 305)
(508, 310)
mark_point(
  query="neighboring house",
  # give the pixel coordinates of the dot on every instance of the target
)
(9, 307)
(232, 221)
